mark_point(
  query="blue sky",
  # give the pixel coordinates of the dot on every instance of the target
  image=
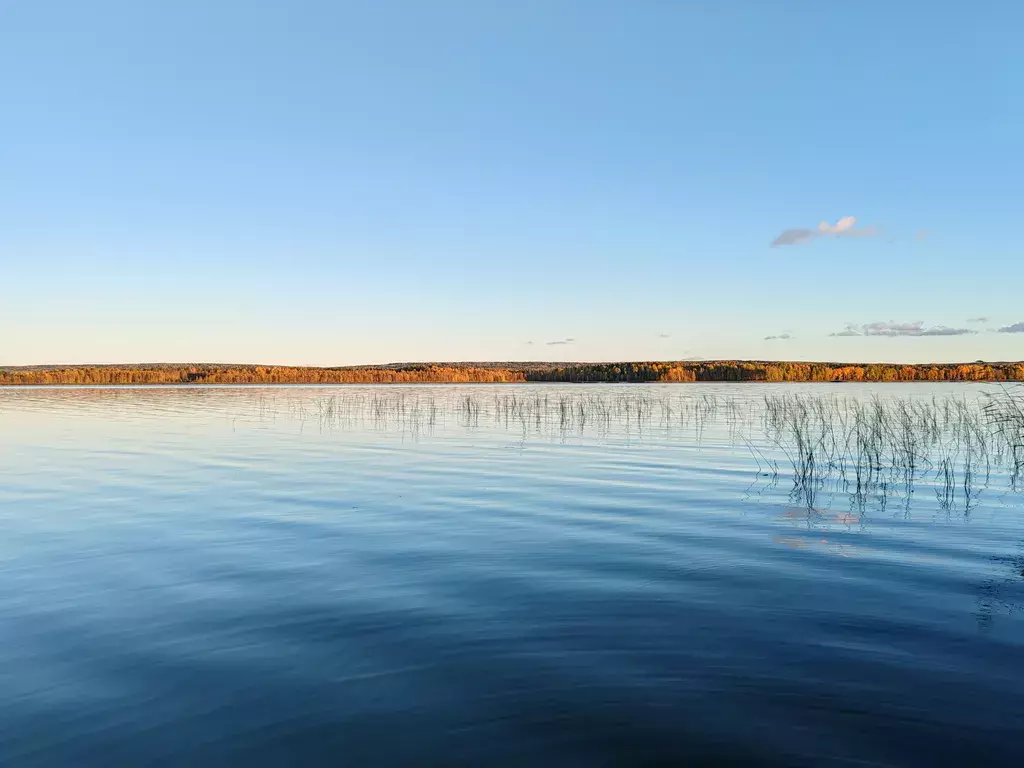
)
(347, 182)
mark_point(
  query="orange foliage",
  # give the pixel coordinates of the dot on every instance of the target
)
(511, 372)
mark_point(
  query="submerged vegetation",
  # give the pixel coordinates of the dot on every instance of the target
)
(503, 373)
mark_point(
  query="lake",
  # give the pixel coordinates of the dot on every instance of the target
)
(565, 575)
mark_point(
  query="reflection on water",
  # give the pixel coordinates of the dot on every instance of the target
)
(558, 574)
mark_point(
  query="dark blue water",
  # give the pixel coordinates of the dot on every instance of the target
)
(432, 576)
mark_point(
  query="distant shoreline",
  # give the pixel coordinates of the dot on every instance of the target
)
(686, 371)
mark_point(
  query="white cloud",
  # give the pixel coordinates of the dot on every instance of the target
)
(891, 330)
(945, 330)
(845, 227)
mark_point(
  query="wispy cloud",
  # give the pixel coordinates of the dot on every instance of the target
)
(560, 342)
(1015, 328)
(977, 320)
(845, 227)
(794, 237)
(945, 330)
(664, 335)
(892, 330)
(779, 337)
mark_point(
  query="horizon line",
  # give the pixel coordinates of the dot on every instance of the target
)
(510, 363)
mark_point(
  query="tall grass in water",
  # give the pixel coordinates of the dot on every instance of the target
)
(1006, 411)
(869, 448)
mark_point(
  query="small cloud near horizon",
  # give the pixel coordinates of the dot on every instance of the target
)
(664, 335)
(779, 337)
(945, 330)
(845, 227)
(560, 342)
(893, 330)
(1015, 328)
(977, 320)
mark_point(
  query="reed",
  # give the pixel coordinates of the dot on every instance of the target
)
(867, 447)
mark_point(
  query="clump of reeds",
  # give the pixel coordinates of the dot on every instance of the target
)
(870, 446)
(1005, 411)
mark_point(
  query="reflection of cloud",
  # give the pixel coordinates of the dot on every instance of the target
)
(820, 545)
(845, 227)
(560, 342)
(815, 525)
(1015, 328)
(793, 542)
(892, 329)
(780, 337)
(977, 320)
(816, 516)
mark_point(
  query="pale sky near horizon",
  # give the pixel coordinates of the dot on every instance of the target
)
(316, 182)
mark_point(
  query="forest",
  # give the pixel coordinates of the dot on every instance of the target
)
(502, 373)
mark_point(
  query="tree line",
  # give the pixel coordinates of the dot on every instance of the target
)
(689, 371)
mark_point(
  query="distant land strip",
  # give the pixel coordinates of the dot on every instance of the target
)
(508, 372)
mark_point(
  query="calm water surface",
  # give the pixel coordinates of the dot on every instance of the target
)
(528, 575)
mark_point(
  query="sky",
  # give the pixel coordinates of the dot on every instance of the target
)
(330, 183)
